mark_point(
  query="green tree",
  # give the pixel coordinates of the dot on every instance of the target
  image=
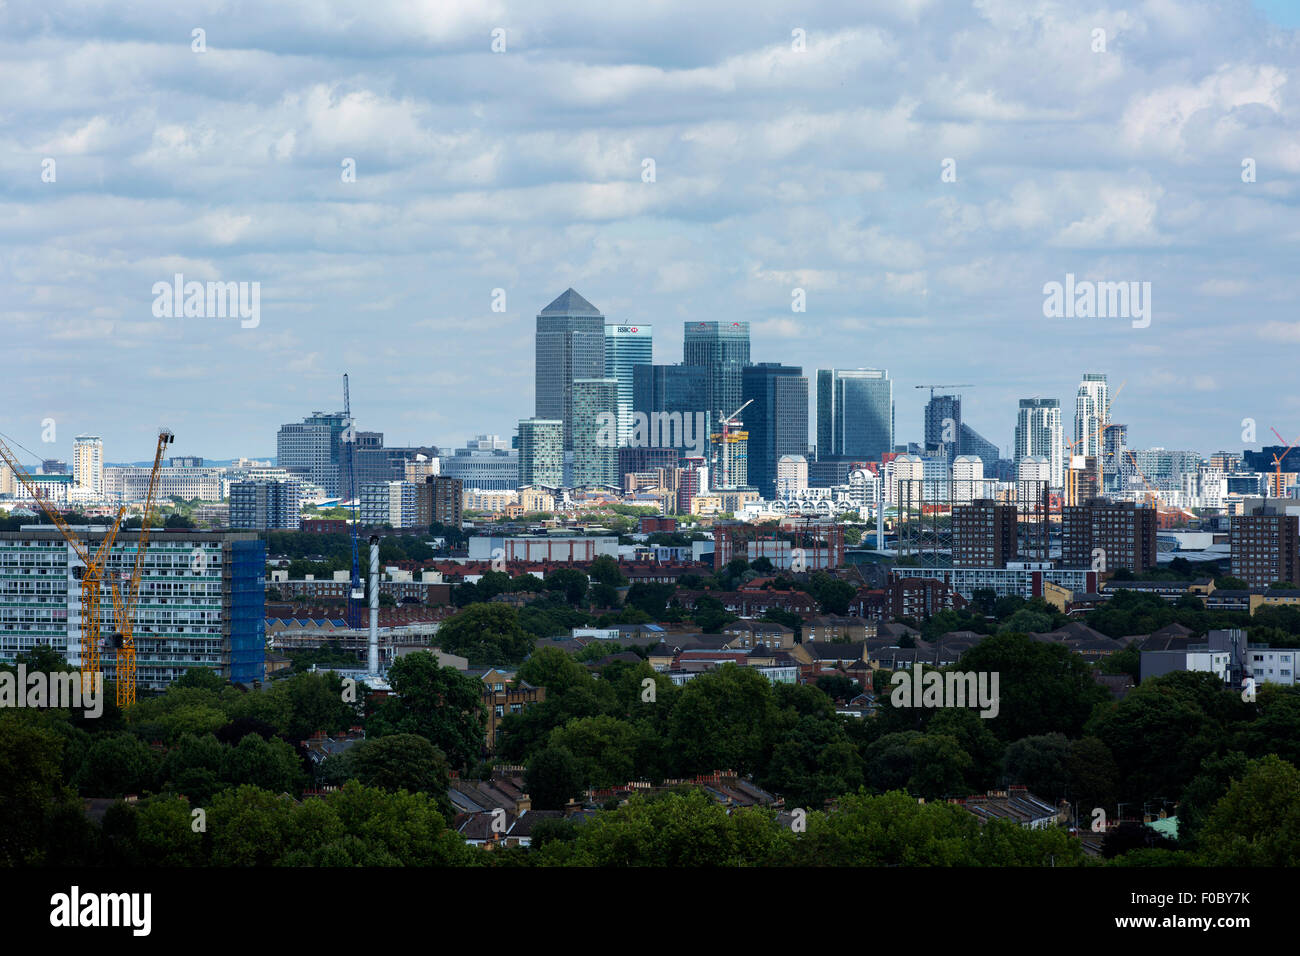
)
(440, 704)
(32, 793)
(554, 777)
(722, 720)
(194, 767)
(403, 762)
(1042, 687)
(1257, 823)
(266, 764)
(605, 570)
(570, 581)
(605, 748)
(486, 634)
(117, 764)
(1040, 763)
(249, 827)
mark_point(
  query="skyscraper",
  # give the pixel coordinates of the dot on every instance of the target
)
(595, 444)
(312, 449)
(722, 348)
(943, 425)
(1090, 405)
(1039, 433)
(626, 346)
(855, 413)
(1115, 464)
(541, 453)
(88, 464)
(570, 345)
(777, 421)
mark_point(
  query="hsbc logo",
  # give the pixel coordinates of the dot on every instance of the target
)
(628, 328)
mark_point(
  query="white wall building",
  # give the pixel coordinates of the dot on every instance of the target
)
(88, 465)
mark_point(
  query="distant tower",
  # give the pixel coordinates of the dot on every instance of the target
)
(627, 346)
(1089, 411)
(88, 464)
(570, 345)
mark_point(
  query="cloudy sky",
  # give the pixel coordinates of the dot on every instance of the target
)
(775, 168)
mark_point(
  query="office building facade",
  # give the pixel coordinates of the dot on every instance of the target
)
(943, 425)
(313, 449)
(570, 344)
(855, 413)
(627, 346)
(723, 349)
(777, 419)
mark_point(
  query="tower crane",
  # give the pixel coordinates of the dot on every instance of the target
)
(1279, 490)
(933, 387)
(124, 606)
(90, 572)
(727, 436)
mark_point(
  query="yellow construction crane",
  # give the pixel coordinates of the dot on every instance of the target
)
(91, 572)
(124, 607)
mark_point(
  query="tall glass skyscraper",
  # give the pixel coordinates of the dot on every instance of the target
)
(777, 421)
(855, 413)
(943, 425)
(626, 346)
(541, 453)
(723, 348)
(595, 445)
(570, 345)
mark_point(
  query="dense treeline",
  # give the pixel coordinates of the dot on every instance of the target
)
(235, 755)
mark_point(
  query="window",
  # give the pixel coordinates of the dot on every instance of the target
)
(500, 710)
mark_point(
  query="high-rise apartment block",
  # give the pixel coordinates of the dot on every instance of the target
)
(570, 345)
(1108, 535)
(1091, 405)
(595, 449)
(983, 534)
(1039, 434)
(541, 453)
(88, 465)
(265, 505)
(1264, 542)
(202, 601)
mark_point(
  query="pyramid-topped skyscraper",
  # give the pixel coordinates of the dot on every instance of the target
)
(570, 345)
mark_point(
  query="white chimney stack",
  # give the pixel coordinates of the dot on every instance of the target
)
(372, 658)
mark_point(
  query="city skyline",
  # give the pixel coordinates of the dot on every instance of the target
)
(914, 203)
